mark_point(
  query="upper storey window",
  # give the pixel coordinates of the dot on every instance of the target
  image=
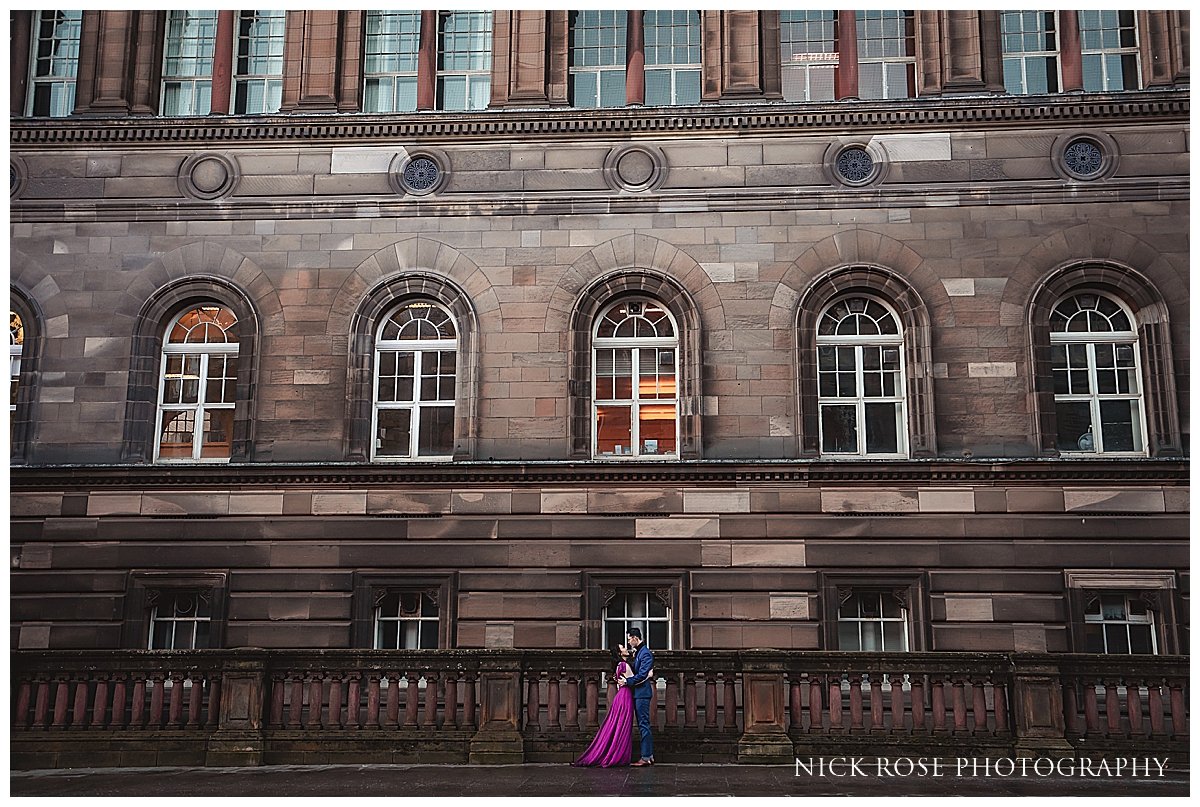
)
(16, 346)
(464, 69)
(597, 56)
(887, 63)
(1097, 388)
(198, 386)
(188, 62)
(860, 380)
(672, 57)
(416, 358)
(1029, 40)
(258, 82)
(635, 355)
(390, 68)
(1109, 47)
(55, 63)
(808, 44)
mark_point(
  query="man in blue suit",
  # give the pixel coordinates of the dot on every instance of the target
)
(642, 680)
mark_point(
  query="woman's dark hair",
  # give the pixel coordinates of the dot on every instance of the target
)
(615, 650)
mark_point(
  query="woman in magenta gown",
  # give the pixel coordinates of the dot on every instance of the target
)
(613, 744)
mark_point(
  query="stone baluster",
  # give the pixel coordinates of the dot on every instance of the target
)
(959, 699)
(373, 717)
(896, 701)
(334, 719)
(315, 698)
(917, 699)
(353, 698)
(278, 685)
(689, 700)
(1091, 710)
(137, 711)
(653, 705)
(392, 715)
(79, 712)
(1158, 727)
(672, 697)
(450, 720)
(195, 695)
(157, 693)
(979, 707)
(816, 720)
(591, 702)
(100, 702)
(730, 701)
(856, 702)
(41, 703)
(468, 721)
(1133, 700)
(572, 704)
(214, 700)
(411, 698)
(1070, 712)
(877, 702)
(795, 705)
(1000, 706)
(296, 704)
(21, 713)
(175, 712)
(1112, 709)
(835, 703)
(710, 700)
(938, 705)
(1179, 721)
(117, 720)
(552, 701)
(62, 695)
(429, 716)
(533, 700)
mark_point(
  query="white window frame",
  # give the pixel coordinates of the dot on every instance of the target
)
(421, 622)
(194, 107)
(905, 59)
(880, 621)
(246, 49)
(1126, 583)
(475, 76)
(642, 622)
(176, 621)
(67, 82)
(1022, 56)
(810, 59)
(673, 68)
(402, 37)
(634, 344)
(858, 342)
(598, 70)
(1094, 398)
(1133, 50)
(205, 350)
(421, 349)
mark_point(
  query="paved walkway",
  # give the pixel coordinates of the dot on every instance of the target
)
(556, 780)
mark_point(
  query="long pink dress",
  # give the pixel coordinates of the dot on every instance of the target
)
(613, 745)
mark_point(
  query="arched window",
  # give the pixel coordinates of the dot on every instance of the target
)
(860, 379)
(16, 345)
(416, 361)
(1097, 379)
(635, 350)
(198, 385)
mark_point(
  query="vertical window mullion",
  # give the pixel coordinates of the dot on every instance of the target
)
(201, 393)
(1094, 402)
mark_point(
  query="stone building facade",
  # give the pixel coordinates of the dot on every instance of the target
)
(912, 371)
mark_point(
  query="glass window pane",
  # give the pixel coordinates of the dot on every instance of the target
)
(1119, 424)
(848, 636)
(392, 435)
(657, 428)
(882, 428)
(614, 430)
(218, 434)
(1117, 639)
(839, 429)
(437, 431)
(894, 639)
(1140, 640)
(1074, 426)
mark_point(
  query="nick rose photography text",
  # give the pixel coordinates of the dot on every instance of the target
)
(1002, 767)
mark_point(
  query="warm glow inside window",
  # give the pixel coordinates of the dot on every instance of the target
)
(1097, 380)
(860, 380)
(416, 369)
(198, 386)
(635, 350)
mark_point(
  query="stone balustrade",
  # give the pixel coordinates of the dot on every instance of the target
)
(250, 706)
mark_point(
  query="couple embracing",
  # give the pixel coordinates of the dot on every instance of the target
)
(635, 686)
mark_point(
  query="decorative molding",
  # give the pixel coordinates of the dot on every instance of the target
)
(1128, 473)
(342, 130)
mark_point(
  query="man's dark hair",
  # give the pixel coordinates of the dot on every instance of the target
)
(635, 633)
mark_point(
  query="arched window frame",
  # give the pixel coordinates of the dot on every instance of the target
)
(913, 316)
(140, 443)
(861, 345)
(1071, 367)
(427, 354)
(608, 289)
(211, 358)
(380, 301)
(638, 447)
(21, 407)
(1151, 323)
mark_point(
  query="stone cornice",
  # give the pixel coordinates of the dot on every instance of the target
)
(913, 473)
(989, 111)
